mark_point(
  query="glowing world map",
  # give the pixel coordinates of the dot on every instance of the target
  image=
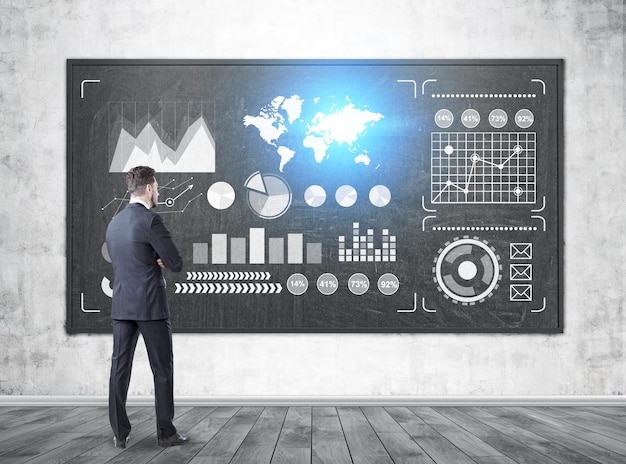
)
(291, 123)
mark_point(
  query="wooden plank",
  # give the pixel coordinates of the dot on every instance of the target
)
(57, 422)
(501, 419)
(7, 411)
(495, 460)
(613, 428)
(44, 420)
(403, 450)
(19, 416)
(400, 446)
(200, 435)
(53, 436)
(258, 447)
(223, 446)
(466, 442)
(328, 443)
(381, 421)
(439, 448)
(294, 442)
(613, 412)
(524, 452)
(577, 438)
(363, 443)
(36, 448)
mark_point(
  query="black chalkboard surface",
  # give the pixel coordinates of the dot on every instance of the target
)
(327, 196)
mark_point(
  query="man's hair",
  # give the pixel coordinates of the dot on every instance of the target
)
(137, 179)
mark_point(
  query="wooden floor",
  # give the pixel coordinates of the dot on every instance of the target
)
(294, 435)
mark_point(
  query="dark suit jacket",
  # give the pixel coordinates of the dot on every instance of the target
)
(135, 238)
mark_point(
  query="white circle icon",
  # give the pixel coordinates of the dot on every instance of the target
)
(220, 195)
(346, 196)
(315, 196)
(380, 196)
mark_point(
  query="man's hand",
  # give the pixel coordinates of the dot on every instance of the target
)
(161, 263)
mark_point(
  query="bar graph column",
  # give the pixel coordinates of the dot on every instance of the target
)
(200, 253)
(276, 250)
(238, 250)
(219, 249)
(257, 245)
(314, 253)
(295, 249)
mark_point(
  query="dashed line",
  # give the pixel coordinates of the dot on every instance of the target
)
(495, 228)
(484, 95)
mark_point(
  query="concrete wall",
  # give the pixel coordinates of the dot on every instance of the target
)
(38, 358)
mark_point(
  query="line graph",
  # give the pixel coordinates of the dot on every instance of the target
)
(167, 136)
(483, 167)
(170, 201)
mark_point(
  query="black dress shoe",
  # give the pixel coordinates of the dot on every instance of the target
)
(120, 443)
(175, 440)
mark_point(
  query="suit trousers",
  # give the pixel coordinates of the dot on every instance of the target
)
(157, 336)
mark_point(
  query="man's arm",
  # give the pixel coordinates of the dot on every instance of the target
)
(161, 241)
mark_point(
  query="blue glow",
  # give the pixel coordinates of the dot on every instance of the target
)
(330, 131)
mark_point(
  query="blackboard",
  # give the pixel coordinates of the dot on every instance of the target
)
(327, 196)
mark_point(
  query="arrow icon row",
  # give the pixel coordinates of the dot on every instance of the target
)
(228, 275)
(239, 287)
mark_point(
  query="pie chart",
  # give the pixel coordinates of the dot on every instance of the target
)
(315, 196)
(380, 196)
(346, 196)
(220, 195)
(269, 196)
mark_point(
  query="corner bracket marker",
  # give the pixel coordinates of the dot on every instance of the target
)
(86, 81)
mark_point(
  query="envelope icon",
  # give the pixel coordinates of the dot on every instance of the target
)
(521, 251)
(521, 271)
(521, 292)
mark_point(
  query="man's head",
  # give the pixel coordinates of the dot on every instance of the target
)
(142, 183)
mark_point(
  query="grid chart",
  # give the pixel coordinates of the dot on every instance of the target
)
(483, 167)
(363, 247)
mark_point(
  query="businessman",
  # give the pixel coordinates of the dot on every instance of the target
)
(140, 246)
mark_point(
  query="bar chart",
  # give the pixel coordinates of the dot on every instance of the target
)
(363, 246)
(256, 248)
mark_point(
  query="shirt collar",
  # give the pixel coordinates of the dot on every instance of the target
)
(137, 200)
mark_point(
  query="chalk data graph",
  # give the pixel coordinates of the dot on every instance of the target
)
(483, 167)
(167, 136)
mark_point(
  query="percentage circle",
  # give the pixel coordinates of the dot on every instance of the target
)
(470, 118)
(297, 284)
(524, 118)
(327, 283)
(388, 284)
(444, 118)
(498, 118)
(358, 283)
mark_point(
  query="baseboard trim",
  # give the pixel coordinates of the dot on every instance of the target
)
(556, 400)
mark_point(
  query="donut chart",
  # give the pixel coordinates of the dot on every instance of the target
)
(467, 270)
